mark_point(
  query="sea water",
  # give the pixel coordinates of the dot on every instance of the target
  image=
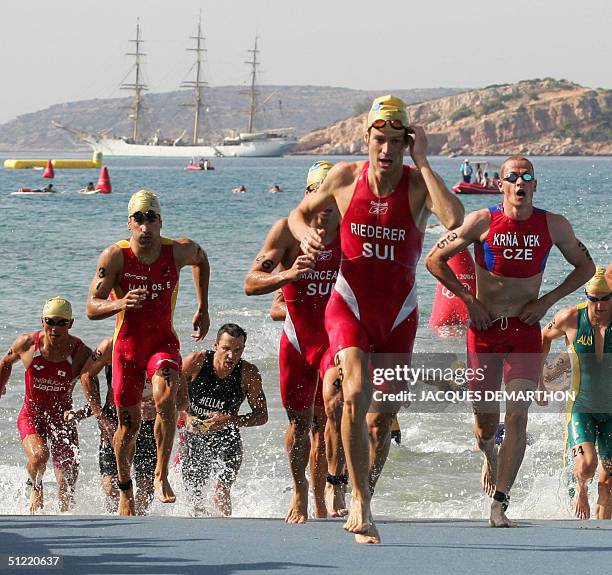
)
(49, 246)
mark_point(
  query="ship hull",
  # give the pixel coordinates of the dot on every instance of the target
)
(260, 149)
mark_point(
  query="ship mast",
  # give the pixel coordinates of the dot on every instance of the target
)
(253, 92)
(137, 86)
(197, 83)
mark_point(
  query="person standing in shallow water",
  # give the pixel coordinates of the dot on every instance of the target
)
(146, 450)
(372, 311)
(53, 360)
(512, 241)
(587, 329)
(142, 273)
(218, 382)
(303, 287)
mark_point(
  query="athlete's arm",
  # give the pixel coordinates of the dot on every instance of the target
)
(311, 239)
(444, 204)
(189, 253)
(82, 356)
(575, 253)
(278, 311)
(99, 358)
(278, 242)
(20, 345)
(473, 228)
(251, 384)
(192, 365)
(104, 280)
(608, 276)
(555, 329)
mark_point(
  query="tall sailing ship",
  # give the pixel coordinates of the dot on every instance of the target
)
(265, 143)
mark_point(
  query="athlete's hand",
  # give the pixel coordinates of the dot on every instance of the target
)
(534, 311)
(417, 142)
(479, 315)
(70, 417)
(132, 299)
(201, 324)
(219, 421)
(312, 242)
(300, 266)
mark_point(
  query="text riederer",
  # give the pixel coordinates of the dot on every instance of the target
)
(411, 375)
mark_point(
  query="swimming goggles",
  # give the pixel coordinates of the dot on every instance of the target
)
(514, 176)
(56, 322)
(596, 299)
(381, 123)
(149, 216)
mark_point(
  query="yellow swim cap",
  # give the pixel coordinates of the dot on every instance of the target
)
(598, 283)
(388, 108)
(57, 307)
(143, 201)
(317, 172)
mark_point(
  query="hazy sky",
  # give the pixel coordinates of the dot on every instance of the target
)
(56, 51)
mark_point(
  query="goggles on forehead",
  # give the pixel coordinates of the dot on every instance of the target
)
(381, 123)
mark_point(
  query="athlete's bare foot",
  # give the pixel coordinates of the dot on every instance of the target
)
(361, 523)
(36, 499)
(498, 518)
(582, 509)
(603, 511)
(334, 498)
(163, 490)
(489, 474)
(298, 508)
(127, 506)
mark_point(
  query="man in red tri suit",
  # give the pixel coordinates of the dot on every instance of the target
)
(53, 360)
(512, 241)
(304, 286)
(142, 273)
(384, 207)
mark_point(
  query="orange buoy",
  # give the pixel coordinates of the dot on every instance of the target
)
(447, 308)
(49, 173)
(104, 183)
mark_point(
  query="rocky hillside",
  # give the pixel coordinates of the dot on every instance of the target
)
(539, 117)
(303, 107)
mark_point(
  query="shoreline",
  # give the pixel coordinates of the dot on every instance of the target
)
(112, 544)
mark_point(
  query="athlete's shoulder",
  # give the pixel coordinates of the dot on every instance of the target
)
(344, 173)
(81, 353)
(250, 372)
(114, 252)
(478, 219)
(280, 233)
(24, 342)
(559, 227)
(567, 317)
(192, 364)
(105, 346)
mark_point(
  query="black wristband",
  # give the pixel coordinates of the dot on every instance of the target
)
(125, 486)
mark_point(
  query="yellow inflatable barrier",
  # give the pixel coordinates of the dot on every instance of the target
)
(95, 162)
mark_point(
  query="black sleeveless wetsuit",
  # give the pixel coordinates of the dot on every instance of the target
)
(204, 453)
